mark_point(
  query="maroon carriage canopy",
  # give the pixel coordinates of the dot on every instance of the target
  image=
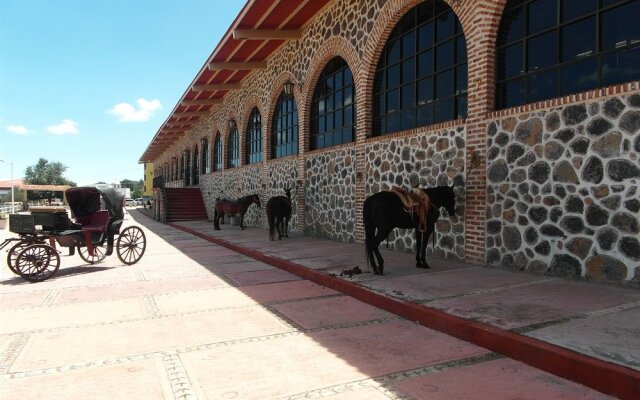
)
(88, 199)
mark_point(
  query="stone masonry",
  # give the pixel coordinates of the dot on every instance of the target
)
(563, 193)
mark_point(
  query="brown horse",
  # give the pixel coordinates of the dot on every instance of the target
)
(279, 214)
(231, 207)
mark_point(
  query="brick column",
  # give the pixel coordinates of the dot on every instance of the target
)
(480, 21)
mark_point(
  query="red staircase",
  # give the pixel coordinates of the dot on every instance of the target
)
(185, 204)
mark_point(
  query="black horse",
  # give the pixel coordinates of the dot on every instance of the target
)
(231, 207)
(279, 214)
(384, 211)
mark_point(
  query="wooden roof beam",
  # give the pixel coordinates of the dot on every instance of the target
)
(216, 86)
(202, 102)
(178, 114)
(267, 34)
(246, 65)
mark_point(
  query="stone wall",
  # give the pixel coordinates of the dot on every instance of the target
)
(562, 191)
(427, 160)
(330, 194)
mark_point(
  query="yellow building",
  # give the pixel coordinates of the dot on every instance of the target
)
(148, 181)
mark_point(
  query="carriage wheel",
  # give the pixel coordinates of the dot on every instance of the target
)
(13, 255)
(99, 254)
(131, 245)
(37, 262)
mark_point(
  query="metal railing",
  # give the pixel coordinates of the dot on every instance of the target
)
(10, 209)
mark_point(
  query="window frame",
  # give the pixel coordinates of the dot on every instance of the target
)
(253, 138)
(233, 147)
(524, 84)
(218, 159)
(410, 72)
(320, 136)
(285, 112)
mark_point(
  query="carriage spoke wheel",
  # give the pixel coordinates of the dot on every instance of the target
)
(131, 245)
(37, 262)
(99, 254)
(13, 254)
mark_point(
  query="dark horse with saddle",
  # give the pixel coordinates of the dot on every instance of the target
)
(416, 209)
(233, 207)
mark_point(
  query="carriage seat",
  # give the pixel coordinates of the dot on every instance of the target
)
(415, 201)
(96, 222)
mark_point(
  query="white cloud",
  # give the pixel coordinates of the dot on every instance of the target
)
(17, 129)
(66, 127)
(126, 112)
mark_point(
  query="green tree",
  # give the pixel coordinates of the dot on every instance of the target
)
(135, 186)
(46, 173)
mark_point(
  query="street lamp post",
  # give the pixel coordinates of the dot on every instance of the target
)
(10, 163)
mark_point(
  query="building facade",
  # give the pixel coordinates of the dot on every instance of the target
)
(530, 108)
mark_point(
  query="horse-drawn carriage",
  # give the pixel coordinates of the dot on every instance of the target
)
(97, 214)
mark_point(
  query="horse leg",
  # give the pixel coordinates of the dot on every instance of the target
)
(380, 236)
(241, 221)
(216, 217)
(271, 222)
(419, 240)
(285, 228)
(278, 226)
(425, 240)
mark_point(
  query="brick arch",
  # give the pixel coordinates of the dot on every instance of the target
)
(333, 47)
(273, 96)
(388, 17)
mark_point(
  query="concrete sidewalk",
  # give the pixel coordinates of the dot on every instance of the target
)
(197, 320)
(586, 332)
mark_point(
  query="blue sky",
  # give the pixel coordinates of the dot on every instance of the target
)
(88, 83)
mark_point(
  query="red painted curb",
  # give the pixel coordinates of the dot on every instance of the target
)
(612, 379)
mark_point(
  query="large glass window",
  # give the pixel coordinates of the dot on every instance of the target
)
(253, 148)
(551, 48)
(421, 77)
(217, 153)
(233, 148)
(187, 168)
(206, 163)
(333, 108)
(284, 133)
(195, 171)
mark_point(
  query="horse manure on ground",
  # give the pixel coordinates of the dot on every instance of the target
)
(349, 273)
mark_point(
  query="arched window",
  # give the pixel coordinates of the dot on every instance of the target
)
(253, 143)
(333, 106)
(551, 48)
(233, 148)
(187, 168)
(217, 153)
(421, 77)
(206, 163)
(182, 161)
(284, 132)
(195, 171)
(175, 168)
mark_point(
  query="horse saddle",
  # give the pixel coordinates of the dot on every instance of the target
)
(415, 202)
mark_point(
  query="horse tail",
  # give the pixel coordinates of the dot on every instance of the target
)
(369, 229)
(216, 224)
(270, 219)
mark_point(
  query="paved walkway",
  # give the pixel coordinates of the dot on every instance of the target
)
(197, 320)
